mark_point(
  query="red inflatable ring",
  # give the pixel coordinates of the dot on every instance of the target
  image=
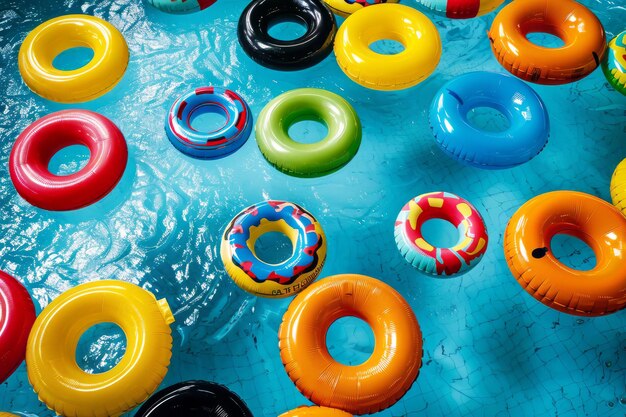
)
(17, 315)
(33, 149)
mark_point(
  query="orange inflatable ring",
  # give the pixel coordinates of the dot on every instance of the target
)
(577, 26)
(371, 386)
(597, 292)
(314, 412)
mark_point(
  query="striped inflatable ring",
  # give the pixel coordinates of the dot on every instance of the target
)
(209, 145)
(462, 9)
(618, 187)
(614, 63)
(268, 280)
(181, 6)
(427, 258)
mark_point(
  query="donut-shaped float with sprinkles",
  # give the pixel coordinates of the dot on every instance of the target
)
(274, 280)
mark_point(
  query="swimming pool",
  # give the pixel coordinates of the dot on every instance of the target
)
(489, 348)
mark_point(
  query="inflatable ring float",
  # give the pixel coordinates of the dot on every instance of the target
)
(194, 398)
(614, 64)
(33, 149)
(463, 256)
(182, 6)
(17, 315)
(209, 145)
(580, 30)
(51, 354)
(99, 76)
(347, 7)
(314, 412)
(597, 292)
(618, 187)
(418, 35)
(284, 279)
(303, 52)
(308, 159)
(462, 9)
(8, 415)
(371, 386)
(525, 138)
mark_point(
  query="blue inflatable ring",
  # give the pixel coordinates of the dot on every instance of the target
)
(209, 145)
(527, 115)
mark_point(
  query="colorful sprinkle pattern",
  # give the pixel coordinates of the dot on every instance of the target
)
(254, 221)
(433, 260)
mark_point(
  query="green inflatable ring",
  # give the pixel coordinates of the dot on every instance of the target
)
(308, 159)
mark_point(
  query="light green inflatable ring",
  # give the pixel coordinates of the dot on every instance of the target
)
(304, 159)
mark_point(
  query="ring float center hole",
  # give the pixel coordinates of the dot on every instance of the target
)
(350, 341)
(387, 47)
(101, 348)
(546, 40)
(208, 118)
(440, 233)
(488, 119)
(308, 131)
(286, 29)
(69, 160)
(573, 252)
(273, 248)
(73, 58)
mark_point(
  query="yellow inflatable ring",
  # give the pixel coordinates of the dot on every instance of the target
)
(51, 353)
(418, 35)
(7, 415)
(100, 75)
(618, 187)
(346, 7)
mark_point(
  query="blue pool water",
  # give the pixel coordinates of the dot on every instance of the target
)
(490, 349)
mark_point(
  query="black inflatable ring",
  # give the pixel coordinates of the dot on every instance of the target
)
(306, 51)
(194, 399)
